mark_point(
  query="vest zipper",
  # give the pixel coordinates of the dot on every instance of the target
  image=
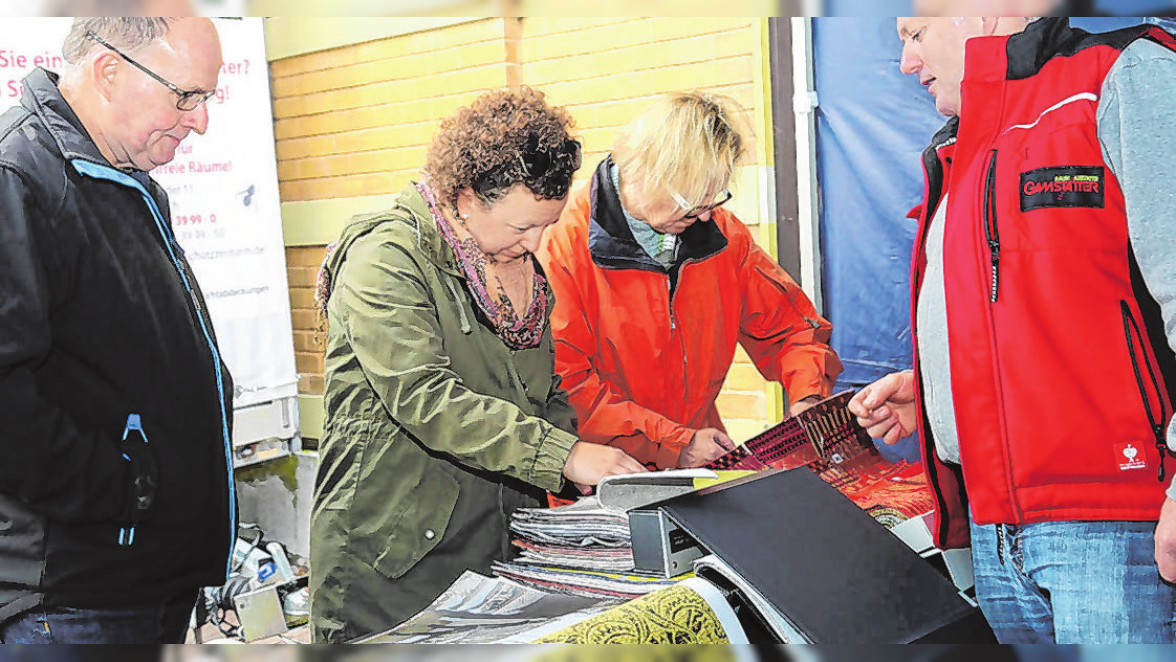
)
(933, 173)
(992, 236)
(1133, 334)
(991, 232)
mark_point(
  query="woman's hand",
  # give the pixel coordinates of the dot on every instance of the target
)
(803, 404)
(707, 445)
(589, 462)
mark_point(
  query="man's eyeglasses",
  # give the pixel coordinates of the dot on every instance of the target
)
(694, 212)
(189, 99)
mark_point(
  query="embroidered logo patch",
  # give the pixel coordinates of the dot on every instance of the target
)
(1063, 186)
(1129, 457)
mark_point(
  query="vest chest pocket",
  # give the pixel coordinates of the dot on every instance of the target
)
(1061, 188)
(1062, 164)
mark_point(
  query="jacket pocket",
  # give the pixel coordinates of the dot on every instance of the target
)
(392, 535)
(991, 227)
(1153, 399)
(142, 479)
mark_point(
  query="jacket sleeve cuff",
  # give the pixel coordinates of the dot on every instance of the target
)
(800, 387)
(670, 448)
(679, 438)
(550, 458)
(802, 394)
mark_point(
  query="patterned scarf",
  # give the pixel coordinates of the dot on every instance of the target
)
(516, 331)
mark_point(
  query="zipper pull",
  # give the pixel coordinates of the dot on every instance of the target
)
(126, 534)
(134, 422)
(670, 304)
(1162, 447)
(994, 247)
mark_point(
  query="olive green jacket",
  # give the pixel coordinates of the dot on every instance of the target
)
(435, 430)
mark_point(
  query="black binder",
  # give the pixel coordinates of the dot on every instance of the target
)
(829, 568)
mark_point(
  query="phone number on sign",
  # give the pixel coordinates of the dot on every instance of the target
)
(199, 235)
(192, 219)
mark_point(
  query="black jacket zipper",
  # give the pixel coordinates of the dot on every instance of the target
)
(991, 231)
(1156, 422)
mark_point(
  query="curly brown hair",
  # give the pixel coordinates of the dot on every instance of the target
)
(505, 137)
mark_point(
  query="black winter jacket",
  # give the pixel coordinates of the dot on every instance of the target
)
(101, 319)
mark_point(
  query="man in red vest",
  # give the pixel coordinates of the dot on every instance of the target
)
(1044, 316)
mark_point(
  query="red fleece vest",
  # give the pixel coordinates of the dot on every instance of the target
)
(1060, 402)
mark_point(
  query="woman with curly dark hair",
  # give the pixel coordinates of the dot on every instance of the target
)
(443, 413)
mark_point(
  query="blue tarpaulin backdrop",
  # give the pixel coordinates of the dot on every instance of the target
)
(872, 125)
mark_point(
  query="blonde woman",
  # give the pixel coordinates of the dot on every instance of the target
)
(656, 283)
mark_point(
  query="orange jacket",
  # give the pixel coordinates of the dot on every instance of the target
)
(644, 351)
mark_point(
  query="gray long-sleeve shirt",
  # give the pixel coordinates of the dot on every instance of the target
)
(1137, 129)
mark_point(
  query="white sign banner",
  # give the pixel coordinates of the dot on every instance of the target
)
(223, 188)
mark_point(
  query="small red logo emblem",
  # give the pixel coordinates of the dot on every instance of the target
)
(1129, 457)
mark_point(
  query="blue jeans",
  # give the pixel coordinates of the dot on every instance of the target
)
(1072, 582)
(164, 622)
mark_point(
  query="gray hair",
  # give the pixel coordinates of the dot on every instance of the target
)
(123, 32)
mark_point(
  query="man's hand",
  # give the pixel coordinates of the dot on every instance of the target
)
(1166, 541)
(886, 408)
(589, 462)
(707, 445)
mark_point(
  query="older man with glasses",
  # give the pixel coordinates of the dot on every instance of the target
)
(116, 490)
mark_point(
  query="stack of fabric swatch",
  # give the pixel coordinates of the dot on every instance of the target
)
(580, 549)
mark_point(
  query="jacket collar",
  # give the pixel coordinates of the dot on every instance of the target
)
(936, 160)
(1021, 55)
(611, 242)
(429, 240)
(43, 99)
(1028, 51)
(408, 207)
(946, 134)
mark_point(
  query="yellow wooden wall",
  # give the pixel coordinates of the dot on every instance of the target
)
(352, 124)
